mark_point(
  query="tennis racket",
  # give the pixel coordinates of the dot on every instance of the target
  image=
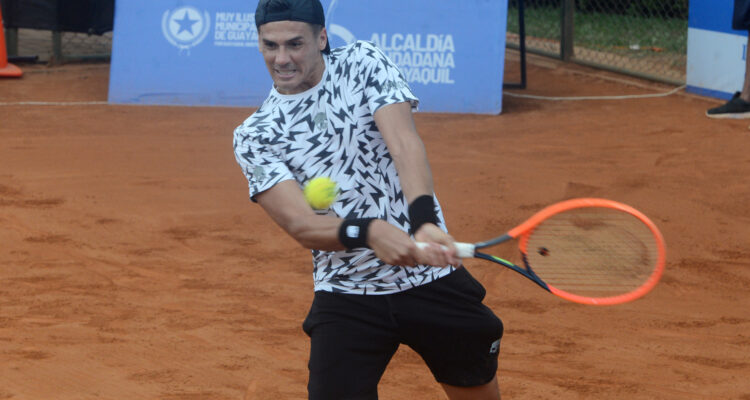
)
(589, 251)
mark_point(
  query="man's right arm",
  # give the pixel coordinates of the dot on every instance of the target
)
(286, 205)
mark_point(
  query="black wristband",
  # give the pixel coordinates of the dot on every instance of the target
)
(353, 232)
(422, 211)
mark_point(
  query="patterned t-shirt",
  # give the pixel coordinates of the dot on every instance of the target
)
(329, 130)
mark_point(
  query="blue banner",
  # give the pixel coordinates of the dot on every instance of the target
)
(204, 52)
(712, 15)
(716, 52)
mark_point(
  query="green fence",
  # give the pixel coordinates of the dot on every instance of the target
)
(54, 46)
(645, 38)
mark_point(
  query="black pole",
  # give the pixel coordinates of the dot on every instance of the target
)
(522, 44)
(521, 47)
(566, 30)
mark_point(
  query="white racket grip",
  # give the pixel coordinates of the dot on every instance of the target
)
(463, 250)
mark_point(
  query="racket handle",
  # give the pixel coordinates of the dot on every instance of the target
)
(463, 250)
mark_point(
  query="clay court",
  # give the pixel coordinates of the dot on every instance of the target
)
(134, 266)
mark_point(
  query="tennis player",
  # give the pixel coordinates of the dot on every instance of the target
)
(347, 114)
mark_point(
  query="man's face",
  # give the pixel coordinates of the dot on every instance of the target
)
(291, 50)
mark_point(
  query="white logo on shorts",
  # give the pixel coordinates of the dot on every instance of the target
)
(185, 27)
(495, 346)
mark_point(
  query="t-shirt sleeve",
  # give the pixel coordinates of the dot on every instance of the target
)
(260, 162)
(383, 81)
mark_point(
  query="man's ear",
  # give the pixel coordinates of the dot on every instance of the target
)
(323, 39)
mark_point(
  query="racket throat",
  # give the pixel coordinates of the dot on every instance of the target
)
(492, 242)
(529, 272)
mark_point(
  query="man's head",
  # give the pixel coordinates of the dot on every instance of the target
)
(291, 36)
(310, 11)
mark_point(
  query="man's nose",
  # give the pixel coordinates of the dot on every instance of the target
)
(282, 56)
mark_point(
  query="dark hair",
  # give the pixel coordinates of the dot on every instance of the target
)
(310, 11)
(274, 6)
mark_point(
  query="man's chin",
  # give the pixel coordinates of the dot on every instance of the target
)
(286, 88)
(284, 84)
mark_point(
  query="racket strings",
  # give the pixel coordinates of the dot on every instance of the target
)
(593, 252)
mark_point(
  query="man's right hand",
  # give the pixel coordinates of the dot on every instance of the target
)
(393, 246)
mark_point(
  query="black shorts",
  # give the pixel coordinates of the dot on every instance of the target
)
(741, 16)
(353, 337)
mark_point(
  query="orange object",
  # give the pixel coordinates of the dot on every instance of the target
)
(6, 69)
(586, 250)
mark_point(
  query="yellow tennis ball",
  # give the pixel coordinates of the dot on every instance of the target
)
(320, 192)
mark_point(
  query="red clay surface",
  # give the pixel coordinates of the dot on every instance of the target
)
(133, 265)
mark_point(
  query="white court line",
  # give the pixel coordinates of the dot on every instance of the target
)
(520, 95)
(574, 98)
(54, 103)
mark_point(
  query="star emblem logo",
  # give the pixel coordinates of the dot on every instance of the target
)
(185, 27)
(186, 23)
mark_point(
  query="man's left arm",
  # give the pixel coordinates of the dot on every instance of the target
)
(396, 124)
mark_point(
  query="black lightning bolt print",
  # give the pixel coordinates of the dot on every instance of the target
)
(329, 130)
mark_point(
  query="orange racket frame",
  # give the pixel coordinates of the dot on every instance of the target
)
(523, 231)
